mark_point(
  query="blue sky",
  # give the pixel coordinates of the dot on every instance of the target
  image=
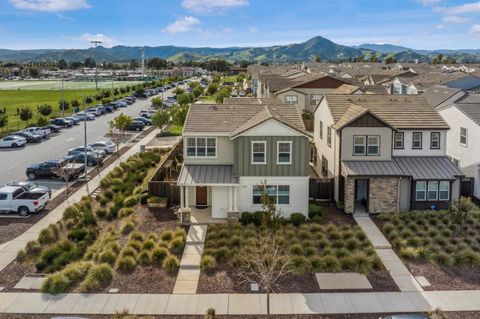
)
(421, 24)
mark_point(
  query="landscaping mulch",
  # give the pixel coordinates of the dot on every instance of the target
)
(13, 273)
(330, 214)
(142, 280)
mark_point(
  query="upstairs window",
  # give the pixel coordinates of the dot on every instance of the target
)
(258, 152)
(435, 140)
(463, 136)
(284, 152)
(320, 129)
(366, 145)
(315, 98)
(399, 138)
(201, 147)
(291, 99)
(359, 145)
(373, 145)
(417, 140)
(329, 136)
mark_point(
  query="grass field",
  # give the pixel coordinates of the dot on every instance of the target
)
(57, 85)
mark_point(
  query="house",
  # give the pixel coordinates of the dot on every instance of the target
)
(384, 153)
(232, 149)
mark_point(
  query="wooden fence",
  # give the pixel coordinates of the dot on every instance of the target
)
(321, 189)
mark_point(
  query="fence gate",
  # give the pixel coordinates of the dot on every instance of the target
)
(321, 189)
(467, 187)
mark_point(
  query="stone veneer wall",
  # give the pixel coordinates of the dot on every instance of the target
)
(349, 195)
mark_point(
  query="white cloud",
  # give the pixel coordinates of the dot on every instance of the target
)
(50, 5)
(455, 19)
(107, 42)
(475, 29)
(440, 27)
(429, 2)
(462, 9)
(252, 30)
(207, 6)
(184, 24)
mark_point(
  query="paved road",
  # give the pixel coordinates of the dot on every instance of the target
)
(13, 162)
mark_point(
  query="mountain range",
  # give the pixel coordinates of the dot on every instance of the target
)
(304, 51)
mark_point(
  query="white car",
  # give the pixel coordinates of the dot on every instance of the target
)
(109, 148)
(42, 131)
(16, 199)
(82, 116)
(147, 113)
(13, 141)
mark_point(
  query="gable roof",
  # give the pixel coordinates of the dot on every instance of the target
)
(469, 104)
(438, 94)
(346, 89)
(399, 112)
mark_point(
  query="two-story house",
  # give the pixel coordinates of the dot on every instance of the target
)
(233, 151)
(385, 153)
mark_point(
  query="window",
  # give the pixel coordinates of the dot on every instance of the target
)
(463, 136)
(420, 191)
(359, 145)
(279, 194)
(444, 191)
(315, 98)
(320, 128)
(398, 143)
(373, 145)
(432, 191)
(3, 196)
(291, 99)
(324, 167)
(284, 152)
(201, 147)
(258, 152)
(329, 136)
(435, 140)
(417, 140)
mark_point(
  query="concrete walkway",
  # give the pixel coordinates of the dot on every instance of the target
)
(9, 251)
(189, 272)
(400, 274)
(240, 304)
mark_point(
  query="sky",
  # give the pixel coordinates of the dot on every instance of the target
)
(67, 24)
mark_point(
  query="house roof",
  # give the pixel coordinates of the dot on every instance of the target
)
(346, 89)
(438, 94)
(374, 89)
(469, 104)
(416, 167)
(206, 175)
(400, 112)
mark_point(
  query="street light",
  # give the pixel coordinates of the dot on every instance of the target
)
(96, 43)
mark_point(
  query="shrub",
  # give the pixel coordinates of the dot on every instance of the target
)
(130, 201)
(167, 235)
(235, 241)
(171, 263)
(180, 233)
(352, 244)
(136, 236)
(296, 249)
(98, 276)
(300, 265)
(48, 235)
(443, 259)
(113, 212)
(101, 213)
(126, 211)
(135, 244)
(297, 219)
(77, 234)
(257, 218)
(408, 253)
(208, 263)
(71, 212)
(316, 263)
(177, 245)
(148, 244)
(144, 258)
(55, 284)
(361, 262)
(108, 257)
(468, 258)
(330, 263)
(144, 198)
(127, 227)
(126, 263)
(158, 255)
(314, 210)
(33, 248)
(128, 251)
(246, 218)
(222, 254)
(58, 255)
(108, 194)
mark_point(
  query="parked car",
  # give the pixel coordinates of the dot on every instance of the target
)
(12, 141)
(30, 186)
(143, 119)
(242, 94)
(95, 111)
(54, 128)
(135, 126)
(405, 316)
(16, 199)
(81, 149)
(61, 122)
(49, 169)
(147, 113)
(92, 160)
(83, 116)
(29, 137)
(109, 108)
(75, 120)
(101, 107)
(107, 147)
(42, 131)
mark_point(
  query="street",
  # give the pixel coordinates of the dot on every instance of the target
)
(13, 162)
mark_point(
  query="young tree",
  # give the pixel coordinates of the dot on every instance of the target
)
(178, 91)
(64, 173)
(458, 211)
(88, 100)
(157, 102)
(75, 103)
(62, 64)
(63, 106)
(183, 99)
(212, 88)
(120, 123)
(318, 59)
(160, 119)
(3, 122)
(45, 109)
(25, 114)
(179, 114)
(197, 92)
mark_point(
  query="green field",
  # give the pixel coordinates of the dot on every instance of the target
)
(57, 85)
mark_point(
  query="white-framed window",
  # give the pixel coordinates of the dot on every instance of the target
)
(435, 140)
(373, 145)
(359, 145)
(320, 129)
(399, 138)
(259, 155)
(432, 194)
(463, 136)
(201, 147)
(315, 98)
(420, 191)
(284, 152)
(280, 194)
(417, 140)
(329, 136)
(444, 190)
(291, 99)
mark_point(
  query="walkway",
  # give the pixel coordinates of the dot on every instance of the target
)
(189, 272)
(9, 251)
(400, 274)
(240, 304)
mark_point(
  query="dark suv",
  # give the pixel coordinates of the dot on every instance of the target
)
(135, 126)
(62, 122)
(48, 169)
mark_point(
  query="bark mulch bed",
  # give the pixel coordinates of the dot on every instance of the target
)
(446, 278)
(330, 214)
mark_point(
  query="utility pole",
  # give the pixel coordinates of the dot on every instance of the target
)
(143, 62)
(63, 97)
(96, 43)
(85, 135)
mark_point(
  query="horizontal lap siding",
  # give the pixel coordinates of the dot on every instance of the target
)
(300, 153)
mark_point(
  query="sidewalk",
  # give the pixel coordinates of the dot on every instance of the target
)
(400, 274)
(240, 304)
(9, 251)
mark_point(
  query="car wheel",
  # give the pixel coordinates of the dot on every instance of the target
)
(31, 176)
(23, 211)
(14, 145)
(138, 129)
(89, 164)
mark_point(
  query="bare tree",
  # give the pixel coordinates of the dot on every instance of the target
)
(64, 172)
(115, 137)
(263, 263)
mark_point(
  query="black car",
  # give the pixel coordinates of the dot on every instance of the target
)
(61, 122)
(49, 169)
(135, 126)
(92, 160)
(109, 108)
(143, 119)
(31, 138)
(54, 128)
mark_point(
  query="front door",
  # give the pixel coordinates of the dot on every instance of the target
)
(361, 195)
(201, 196)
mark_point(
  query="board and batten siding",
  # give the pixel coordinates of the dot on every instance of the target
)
(243, 155)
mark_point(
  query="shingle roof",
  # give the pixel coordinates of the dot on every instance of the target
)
(400, 112)
(346, 89)
(438, 94)
(469, 104)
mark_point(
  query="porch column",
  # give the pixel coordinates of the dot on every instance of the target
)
(182, 197)
(187, 203)
(230, 198)
(235, 199)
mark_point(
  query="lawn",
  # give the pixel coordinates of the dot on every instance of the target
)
(207, 99)
(229, 79)
(57, 85)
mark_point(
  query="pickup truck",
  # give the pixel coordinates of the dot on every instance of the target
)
(16, 199)
(49, 169)
(42, 131)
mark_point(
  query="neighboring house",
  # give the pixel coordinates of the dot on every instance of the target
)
(385, 153)
(231, 149)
